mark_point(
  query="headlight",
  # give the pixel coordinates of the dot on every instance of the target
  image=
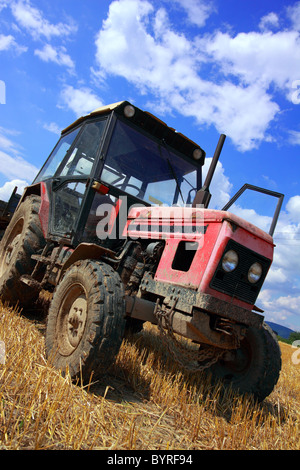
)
(254, 273)
(197, 154)
(129, 111)
(230, 261)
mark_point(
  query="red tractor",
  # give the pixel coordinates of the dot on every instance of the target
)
(116, 224)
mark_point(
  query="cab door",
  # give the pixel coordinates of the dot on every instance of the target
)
(71, 181)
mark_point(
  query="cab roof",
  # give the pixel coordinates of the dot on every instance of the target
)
(149, 123)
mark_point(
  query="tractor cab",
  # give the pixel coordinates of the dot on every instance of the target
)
(117, 154)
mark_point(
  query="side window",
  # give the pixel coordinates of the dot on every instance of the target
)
(57, 156)
(82, 158)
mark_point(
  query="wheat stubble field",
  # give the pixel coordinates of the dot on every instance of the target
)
(145, 403)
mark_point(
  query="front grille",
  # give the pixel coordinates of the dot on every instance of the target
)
(236, 283)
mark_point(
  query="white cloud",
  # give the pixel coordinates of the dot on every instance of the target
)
(6, 42)
(283, 310)
(6, 143)
(258, 58)
(281, 295)
(3, 4)
(16, 167)
(277, 276)
(57, 55)
(269, 21)
(12, 164)
(7, 189)
(261, 221)
(9, 42)
(198, 11)
(293, 12)
(293, 207)
(220, 186)
(52, 127)
(36, 24)
(81, 100)
(294, 137)
(157, 59)
(238, 101)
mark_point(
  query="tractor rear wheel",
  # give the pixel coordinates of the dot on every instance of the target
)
(23, 237)
(253, 368)
(86, 320)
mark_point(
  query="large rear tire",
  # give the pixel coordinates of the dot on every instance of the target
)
(23, 238)
(253, 368)
(86, 320)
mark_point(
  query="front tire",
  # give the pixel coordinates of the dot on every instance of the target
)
(253, 368)
(86, 320)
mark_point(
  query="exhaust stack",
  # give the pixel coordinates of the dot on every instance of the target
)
(203, 196)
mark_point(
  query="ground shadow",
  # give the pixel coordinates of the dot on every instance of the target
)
(118, 386)
(224, 398)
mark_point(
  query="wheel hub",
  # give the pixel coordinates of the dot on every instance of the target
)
(76, 320)
(10, 250)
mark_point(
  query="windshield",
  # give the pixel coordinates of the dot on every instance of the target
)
(147, 169)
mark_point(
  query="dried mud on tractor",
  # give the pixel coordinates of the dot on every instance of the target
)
(117, 226)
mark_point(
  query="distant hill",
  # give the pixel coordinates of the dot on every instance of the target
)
(280, 330)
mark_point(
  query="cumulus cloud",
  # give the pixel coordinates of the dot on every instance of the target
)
(12, 163)
(281, 309)
(80, 100)
(16, 167)
(6, 42)
(293, 208)
(269, 21)
(294, 137)
(9, 43)
(52, 127)
(168, 64)
(57, 55)
(220, 185)
(7, 189)
(281, 295)
(198, 11)
(3, 4)
(293, 12)
(32, 19)
(255, 57)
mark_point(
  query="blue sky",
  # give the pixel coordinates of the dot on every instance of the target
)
(204, 67)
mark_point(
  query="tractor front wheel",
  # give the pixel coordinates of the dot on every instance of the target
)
(86, 320)
(253, 368)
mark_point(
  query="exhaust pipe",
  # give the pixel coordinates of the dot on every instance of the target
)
(203, 196)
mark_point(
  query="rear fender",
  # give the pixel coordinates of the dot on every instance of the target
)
(39, 189)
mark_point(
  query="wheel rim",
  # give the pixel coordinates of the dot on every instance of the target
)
(71, 320)
(239, 363)
(11, 246)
